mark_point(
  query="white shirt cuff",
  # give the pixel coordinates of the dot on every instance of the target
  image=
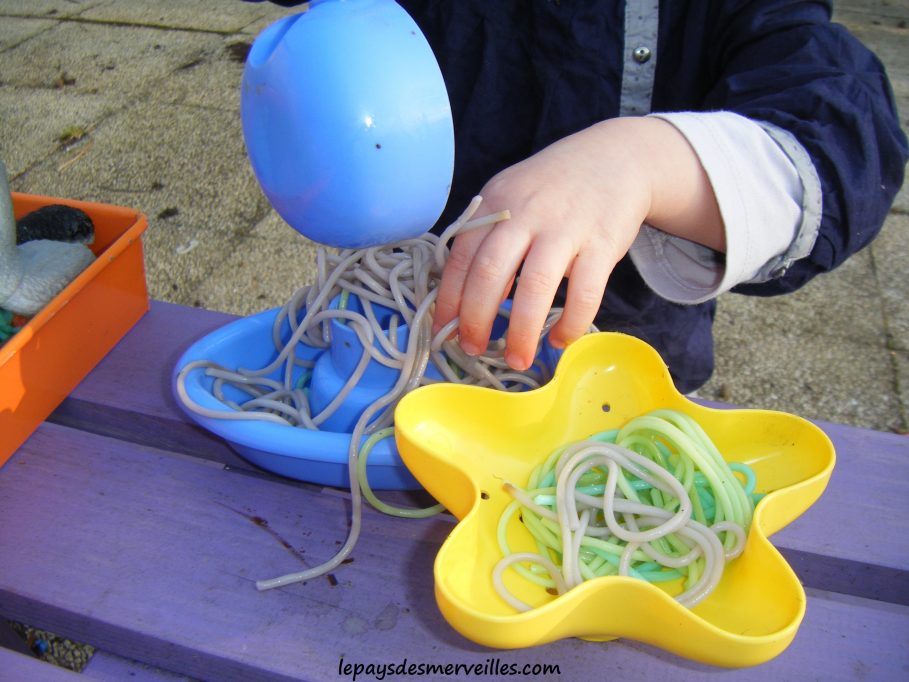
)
(759, 193)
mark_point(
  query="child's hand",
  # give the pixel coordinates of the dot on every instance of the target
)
(576, 207)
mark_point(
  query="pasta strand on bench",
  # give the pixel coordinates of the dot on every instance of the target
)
(402, 277)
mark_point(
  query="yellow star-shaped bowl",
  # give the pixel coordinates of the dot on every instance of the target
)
(463, 442)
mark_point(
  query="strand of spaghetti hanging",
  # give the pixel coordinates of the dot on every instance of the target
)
(654, 500)
(412, 370)
(402, 277)
(399, 276)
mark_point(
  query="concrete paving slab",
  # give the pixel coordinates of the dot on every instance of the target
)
(275, 12)
(262, 272)
(874, 10)
(58, 9)
(199, 15)
(821, 352)
(855, 316)
(212, 80)
(901, 364)
(14, 32)
(273, 228)
(891, 255)
(23, 110)
(188, 173)
(811, 376)
(91, 58)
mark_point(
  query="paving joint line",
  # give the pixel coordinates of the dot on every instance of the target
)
(132, 24)
(891, 347)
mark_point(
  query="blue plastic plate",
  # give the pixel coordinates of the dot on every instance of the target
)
(303, 454)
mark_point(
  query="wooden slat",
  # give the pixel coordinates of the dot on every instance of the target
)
(137, 373)
(171, 433)
(106, 667)
(153, 556)
(855, 578)
(855, 538)
(129, 397)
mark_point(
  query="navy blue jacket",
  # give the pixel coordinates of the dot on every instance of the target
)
(523, 73)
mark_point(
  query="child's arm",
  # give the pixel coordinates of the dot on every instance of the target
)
(576, 207)
(821, 96)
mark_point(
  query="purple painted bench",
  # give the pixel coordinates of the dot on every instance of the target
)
(127, 527)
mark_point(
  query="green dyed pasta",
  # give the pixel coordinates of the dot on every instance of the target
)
(654, 500)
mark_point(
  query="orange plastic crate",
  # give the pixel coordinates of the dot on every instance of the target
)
(42, 363)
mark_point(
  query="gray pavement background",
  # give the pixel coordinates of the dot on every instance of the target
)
(136, 103)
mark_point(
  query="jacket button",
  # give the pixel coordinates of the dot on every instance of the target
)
(641, 54)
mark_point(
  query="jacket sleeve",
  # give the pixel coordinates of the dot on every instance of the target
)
(826, 99)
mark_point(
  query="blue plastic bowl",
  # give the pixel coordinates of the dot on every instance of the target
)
(315, 456)
(303, 454)
(347, 123)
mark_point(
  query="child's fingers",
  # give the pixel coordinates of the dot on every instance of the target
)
(586, 286)
(451, 287)
(488, 277)
(543, 269)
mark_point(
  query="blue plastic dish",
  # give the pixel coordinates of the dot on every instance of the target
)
(303, 454)
(347, 123)
(315, 456)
